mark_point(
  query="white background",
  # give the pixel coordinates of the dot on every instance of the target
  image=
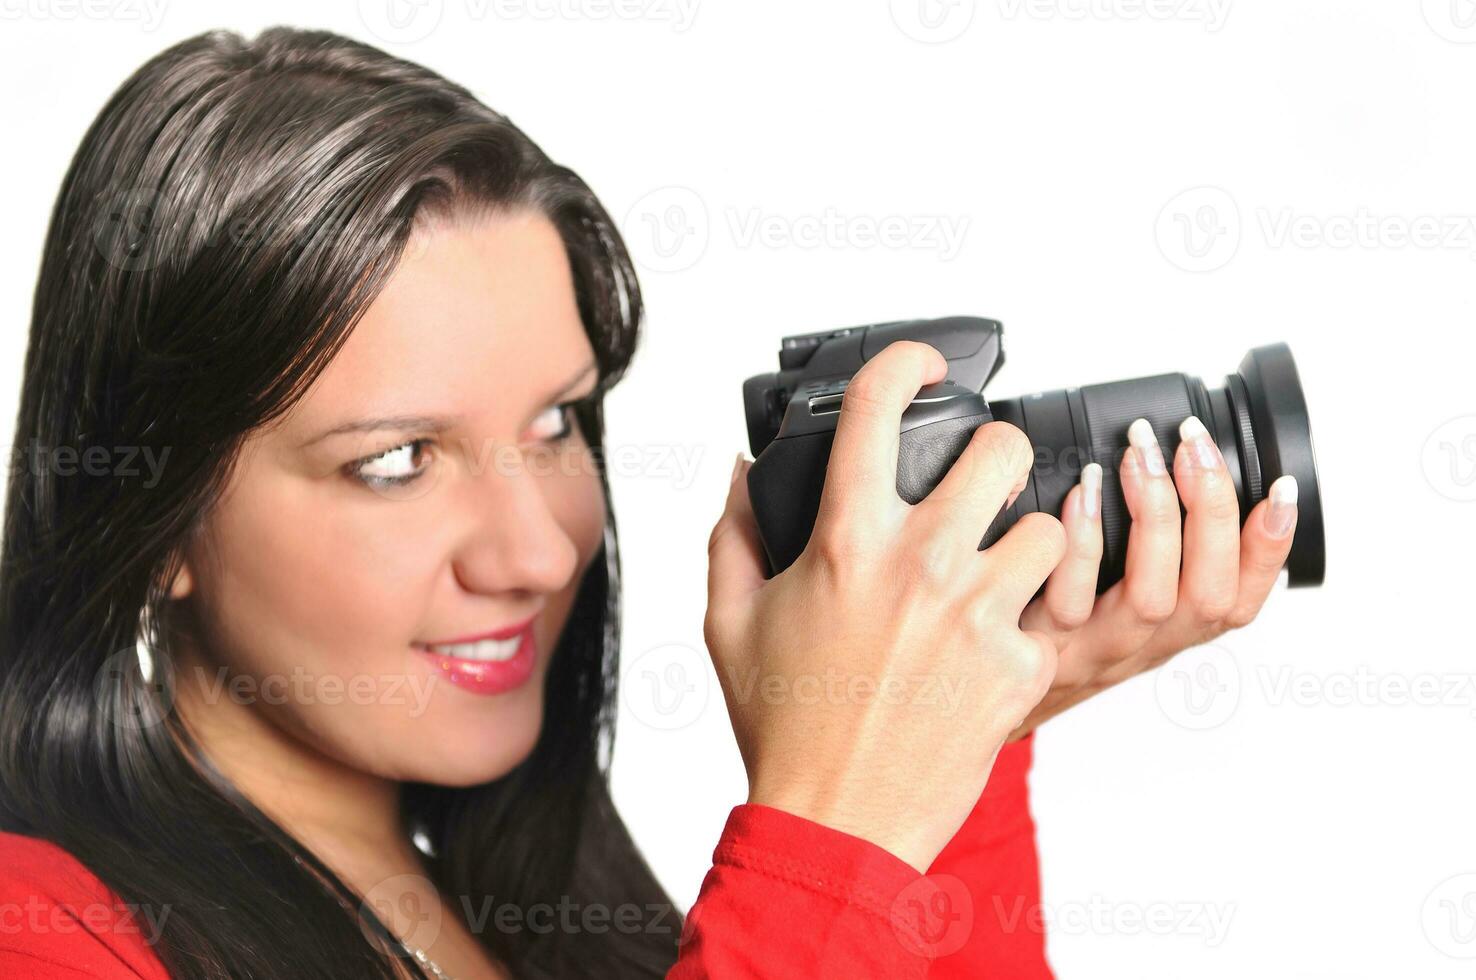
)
(1311, 789)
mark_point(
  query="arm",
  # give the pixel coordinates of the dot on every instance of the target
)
(787, 897)
(891, 598)
(989, 922)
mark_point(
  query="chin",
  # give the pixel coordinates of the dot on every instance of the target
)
(480, 746)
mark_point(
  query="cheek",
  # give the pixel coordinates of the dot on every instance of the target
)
(288, 583)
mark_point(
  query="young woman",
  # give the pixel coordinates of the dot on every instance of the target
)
(309, 584)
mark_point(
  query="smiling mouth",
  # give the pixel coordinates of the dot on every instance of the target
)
(493, 651)
(493, 646)
(486, 666)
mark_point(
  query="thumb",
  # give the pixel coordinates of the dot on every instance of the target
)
(735, 556)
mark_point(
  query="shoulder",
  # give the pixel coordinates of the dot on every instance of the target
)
(31, 867)
(58, 919)
(28, 857)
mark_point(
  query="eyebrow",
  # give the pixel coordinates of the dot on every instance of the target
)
(428, 423)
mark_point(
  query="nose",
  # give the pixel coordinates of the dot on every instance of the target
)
(515, 541)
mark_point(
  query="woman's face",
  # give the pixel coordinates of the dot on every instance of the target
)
(429, 488)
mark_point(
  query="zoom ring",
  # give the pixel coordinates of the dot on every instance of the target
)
(1110, 408)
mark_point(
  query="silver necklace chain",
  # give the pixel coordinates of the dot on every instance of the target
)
(426, 962)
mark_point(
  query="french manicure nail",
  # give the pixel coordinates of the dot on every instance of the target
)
(1283, 509)
(1141, 437)
(1193, 432)
(1091, 489)
(737, 468)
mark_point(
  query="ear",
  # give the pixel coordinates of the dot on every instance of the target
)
(184, 582)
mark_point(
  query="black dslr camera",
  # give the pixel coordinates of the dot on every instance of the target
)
(1258, 419)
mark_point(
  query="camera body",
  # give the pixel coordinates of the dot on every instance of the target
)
(792, 417)
(1258, 419)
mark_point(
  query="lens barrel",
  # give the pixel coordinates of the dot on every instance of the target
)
(1258, 418)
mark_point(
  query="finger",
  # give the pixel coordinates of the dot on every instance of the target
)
(1265, 544)
(1148, 592)
(735, 557)
(861, 476)
(1049, 663)
(1209, 580)
(1071, 590)
(1015, 566)
(993, 468)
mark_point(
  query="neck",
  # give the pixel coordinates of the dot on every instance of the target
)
(349, 818)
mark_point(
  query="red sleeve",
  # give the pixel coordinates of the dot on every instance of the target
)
(787, 897)
(790, 898)
(991, 874)
(59, 922)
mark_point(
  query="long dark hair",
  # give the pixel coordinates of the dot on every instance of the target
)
(226, 220)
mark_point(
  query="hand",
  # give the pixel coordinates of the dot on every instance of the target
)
(1157, 609)
(827, 667)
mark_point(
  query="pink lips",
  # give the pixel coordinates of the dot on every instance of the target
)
(487, 676)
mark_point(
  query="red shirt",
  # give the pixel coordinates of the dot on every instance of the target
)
(785, 897)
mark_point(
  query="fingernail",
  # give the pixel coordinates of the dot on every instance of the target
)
(737, 468)
(1283, 509)
(1091, 489)
(1141, 437)
(1193, 432)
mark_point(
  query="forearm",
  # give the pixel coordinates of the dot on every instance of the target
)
(990, 874)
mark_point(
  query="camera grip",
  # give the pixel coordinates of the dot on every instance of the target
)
(785, 482)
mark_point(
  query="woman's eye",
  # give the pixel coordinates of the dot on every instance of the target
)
(552, 423)
(393, 467)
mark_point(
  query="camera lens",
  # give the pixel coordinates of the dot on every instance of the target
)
(1258, 418)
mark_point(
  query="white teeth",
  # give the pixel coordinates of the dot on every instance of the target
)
(482, 649)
